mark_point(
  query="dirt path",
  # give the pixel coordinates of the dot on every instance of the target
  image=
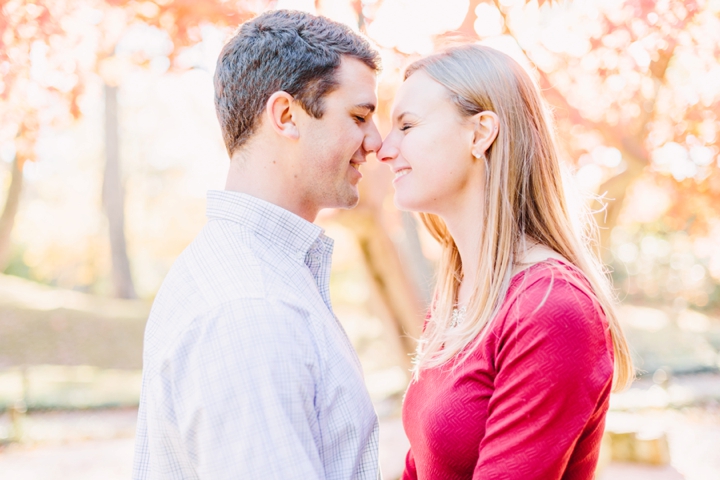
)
(79, 460)
(98, 444)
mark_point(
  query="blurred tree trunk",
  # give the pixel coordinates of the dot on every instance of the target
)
(628, 138)
(467, 29)
(401, 304)
(114, 199)
(607, 209)
(418, 266)
(7, 219)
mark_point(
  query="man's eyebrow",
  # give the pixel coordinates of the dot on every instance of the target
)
(366, 106)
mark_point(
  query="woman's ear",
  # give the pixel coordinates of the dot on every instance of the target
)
(487, 126)
(280, 115)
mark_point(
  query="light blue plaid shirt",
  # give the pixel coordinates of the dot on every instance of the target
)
(247, 372)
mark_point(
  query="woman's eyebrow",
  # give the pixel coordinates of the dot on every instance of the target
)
(403, 114)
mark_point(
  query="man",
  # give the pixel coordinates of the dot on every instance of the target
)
(247, 372)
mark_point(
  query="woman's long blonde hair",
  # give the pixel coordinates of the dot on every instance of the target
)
(524, 198)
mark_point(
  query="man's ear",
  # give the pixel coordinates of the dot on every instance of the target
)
(487, 126)
(280, 115)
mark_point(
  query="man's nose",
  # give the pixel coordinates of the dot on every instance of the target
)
(373, 140)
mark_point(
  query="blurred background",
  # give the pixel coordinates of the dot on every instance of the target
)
(109, 142)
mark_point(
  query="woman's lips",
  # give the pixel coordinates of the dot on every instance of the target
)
(401, 173)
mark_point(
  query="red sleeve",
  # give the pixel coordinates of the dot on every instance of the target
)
(410, 472)
(553, 366)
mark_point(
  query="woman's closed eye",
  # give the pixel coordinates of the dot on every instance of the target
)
(405, 126)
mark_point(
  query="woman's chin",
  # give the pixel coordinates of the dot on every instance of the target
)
(409, 204)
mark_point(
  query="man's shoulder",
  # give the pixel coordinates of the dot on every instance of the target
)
(221, 264)
(225, 274)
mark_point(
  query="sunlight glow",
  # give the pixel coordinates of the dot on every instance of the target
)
(648, 202)
(302, 5)
(608, 156)
(489, 22)
(673, 158)
(340, 11)
(410, 25)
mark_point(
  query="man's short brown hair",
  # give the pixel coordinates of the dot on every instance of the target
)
(295, 52)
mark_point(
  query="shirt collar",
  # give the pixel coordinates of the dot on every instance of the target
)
(292, 233)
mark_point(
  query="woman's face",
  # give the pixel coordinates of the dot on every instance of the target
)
(430, 148)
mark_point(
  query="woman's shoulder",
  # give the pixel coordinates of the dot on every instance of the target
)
(549, 272)
(550, 290)
(552, 315)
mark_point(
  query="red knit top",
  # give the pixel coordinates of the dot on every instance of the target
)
(530, 402)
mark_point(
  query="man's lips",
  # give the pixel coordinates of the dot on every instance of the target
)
(356, 166)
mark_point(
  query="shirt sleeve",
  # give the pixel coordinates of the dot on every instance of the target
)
(552, 367)
(243, 387)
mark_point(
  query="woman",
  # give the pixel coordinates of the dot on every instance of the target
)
(515, 365)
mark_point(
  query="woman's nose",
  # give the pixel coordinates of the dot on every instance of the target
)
(389, 150)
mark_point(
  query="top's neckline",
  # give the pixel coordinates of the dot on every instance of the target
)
(526, 271)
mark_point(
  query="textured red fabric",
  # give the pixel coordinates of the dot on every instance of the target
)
(530, 402)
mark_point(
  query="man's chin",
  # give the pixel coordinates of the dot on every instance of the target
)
(348, 198)
(350, 203)
(342, 198)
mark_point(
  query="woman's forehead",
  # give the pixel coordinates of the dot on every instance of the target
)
(419, 94)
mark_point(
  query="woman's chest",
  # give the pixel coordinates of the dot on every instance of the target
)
(444, 414)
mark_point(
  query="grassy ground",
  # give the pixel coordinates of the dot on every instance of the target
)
(41, 325)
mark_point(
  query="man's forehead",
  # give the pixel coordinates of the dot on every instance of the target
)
(357, 80)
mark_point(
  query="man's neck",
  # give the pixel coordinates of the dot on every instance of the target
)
(268, 178)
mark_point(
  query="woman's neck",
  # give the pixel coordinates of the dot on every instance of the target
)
(465, 227)
(464, 222)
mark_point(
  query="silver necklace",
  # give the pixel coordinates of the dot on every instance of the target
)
(458, 315)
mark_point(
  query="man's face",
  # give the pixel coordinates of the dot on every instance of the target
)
(333, 147)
